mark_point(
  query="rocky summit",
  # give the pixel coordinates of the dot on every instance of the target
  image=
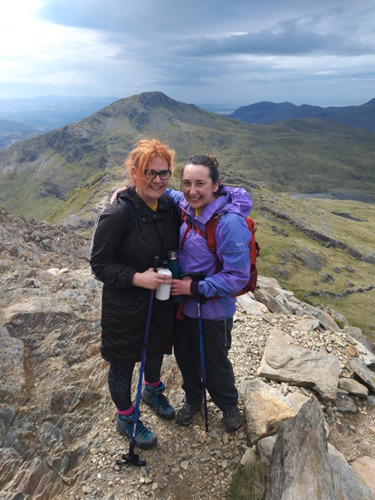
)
(306, 392)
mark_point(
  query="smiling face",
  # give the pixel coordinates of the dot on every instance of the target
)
(197, 186)
(149, 189)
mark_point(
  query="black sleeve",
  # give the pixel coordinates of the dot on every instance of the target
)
(107, 242)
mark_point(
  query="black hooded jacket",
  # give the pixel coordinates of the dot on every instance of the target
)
(115, 259)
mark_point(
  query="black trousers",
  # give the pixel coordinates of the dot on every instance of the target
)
(217, 339)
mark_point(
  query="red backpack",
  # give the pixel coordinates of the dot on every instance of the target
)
(209, 236)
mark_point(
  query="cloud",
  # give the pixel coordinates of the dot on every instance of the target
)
(330, 32)
(197, 51)
(291, 42)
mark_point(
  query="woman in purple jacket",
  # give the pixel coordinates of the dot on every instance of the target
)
(201, 198)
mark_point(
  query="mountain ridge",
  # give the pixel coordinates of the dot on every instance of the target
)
(293, 156)
(45, 113)
(267, 112)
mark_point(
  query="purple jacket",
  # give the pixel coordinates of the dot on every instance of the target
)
(232, 247)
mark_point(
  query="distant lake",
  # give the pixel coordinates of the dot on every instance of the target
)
(342, 195)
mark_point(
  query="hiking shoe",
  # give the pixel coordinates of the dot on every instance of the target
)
(232, 419)
(158, 401)
(186, 414)
(144, 438)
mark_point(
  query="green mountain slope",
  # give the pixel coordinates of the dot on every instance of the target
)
(67, 174)
(292, 156)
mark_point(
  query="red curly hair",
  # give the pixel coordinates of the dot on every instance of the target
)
(145, 152)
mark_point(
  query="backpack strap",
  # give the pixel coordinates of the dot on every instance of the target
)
(211, 227)
(189, 226)
(129, 215)
(209, 235)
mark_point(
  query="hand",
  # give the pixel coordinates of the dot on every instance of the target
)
(150, 279)
(116, 193)
(181, 287)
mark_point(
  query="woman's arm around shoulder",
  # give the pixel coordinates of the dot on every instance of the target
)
(177, 196)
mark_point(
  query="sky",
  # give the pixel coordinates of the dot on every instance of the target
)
(218, 54)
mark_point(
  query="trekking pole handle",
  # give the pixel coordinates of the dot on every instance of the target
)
(156, 263)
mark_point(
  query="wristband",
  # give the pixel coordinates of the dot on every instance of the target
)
(194, 289)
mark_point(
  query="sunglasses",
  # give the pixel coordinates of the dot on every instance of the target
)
(164, 175)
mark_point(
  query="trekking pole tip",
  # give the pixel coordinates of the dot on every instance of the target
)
(132, 459)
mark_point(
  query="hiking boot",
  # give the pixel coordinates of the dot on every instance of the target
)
(144, 438)
(158, 401)
(232, 419)
(186, 414)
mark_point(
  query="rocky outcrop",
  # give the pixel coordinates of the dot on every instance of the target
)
(302, 467)
(287, 362)
(56, 419)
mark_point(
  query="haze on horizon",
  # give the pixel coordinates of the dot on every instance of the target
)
(210, 53)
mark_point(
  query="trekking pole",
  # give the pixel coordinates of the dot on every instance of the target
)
(199, 276)
(203, 367)
(131, 457)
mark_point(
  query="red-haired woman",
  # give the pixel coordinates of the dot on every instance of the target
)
(125, 266)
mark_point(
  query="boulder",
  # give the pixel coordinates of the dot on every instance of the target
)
(285, 361)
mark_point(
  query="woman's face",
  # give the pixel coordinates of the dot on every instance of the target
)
(150, 189)
(197, 186)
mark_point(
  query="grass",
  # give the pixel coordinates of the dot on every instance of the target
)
(300, 264)
(249, 482)
(27, 201)
(360, 231)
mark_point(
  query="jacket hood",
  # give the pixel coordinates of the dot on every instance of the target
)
(233, 200)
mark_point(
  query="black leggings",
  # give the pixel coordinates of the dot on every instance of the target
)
(120, 379)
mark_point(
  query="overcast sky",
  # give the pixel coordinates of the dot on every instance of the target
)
(219, 53)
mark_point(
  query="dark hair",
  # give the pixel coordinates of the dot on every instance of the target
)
(208, 161)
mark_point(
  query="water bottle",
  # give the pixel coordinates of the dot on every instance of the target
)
(163, 291)
(176, 273)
